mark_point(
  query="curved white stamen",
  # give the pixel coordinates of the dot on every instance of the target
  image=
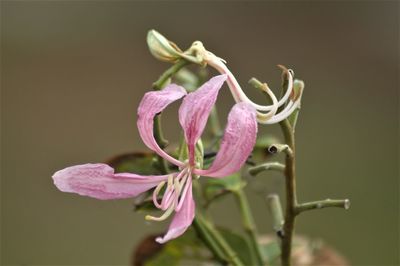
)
(262, 116)
(171, 192)
(170, 199)
(237, 91)
(165, 215)
(284, 114)
(168, 195)
(158, 189)
(155, 194)
(183, 196)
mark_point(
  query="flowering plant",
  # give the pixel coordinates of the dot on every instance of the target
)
(171, 191)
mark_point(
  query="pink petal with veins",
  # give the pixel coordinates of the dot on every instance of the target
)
(154, 102)
(182, 219)
(195, 109)
(99, 181)
(237, 143)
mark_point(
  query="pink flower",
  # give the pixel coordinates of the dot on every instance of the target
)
(101, 182)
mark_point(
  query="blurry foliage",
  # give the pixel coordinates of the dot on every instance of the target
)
(189, 250)
(141, 163)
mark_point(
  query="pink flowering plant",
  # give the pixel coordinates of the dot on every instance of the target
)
(172, 177)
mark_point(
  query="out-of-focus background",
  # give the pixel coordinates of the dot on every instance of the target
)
(73, 73)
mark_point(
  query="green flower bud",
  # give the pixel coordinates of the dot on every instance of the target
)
(298, 87)
(161, 48)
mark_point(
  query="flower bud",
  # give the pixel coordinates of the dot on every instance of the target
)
(298, 87)
(161, 48)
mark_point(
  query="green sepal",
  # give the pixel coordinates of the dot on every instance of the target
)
(298, 88)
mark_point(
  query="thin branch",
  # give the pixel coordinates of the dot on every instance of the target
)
(163, 79)
(275, 166)
(308, 206)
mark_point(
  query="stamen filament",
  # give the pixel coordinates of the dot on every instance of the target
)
(284, 114)
(155, 194)
(165, 215)
(185, 190)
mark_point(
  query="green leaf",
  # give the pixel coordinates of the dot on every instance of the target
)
(239, 245)
(216, 187)
(169, 255)
(185, 250)
(137, 162)
(271, 251)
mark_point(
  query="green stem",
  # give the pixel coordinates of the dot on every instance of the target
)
(249, 224)
(163, 79)
(291, 197)
(255, 170)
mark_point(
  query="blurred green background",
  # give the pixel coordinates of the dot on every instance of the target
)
(73, 73)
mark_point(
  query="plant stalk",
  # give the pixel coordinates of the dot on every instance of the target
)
(291, 197)
(255, 170)
(249, 224)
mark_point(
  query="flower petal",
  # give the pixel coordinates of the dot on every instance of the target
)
(154, 102)
(182, 219)
(195, 109)
(237, 143)
(99, 181)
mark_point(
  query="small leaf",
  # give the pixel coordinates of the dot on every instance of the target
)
(137, 162)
